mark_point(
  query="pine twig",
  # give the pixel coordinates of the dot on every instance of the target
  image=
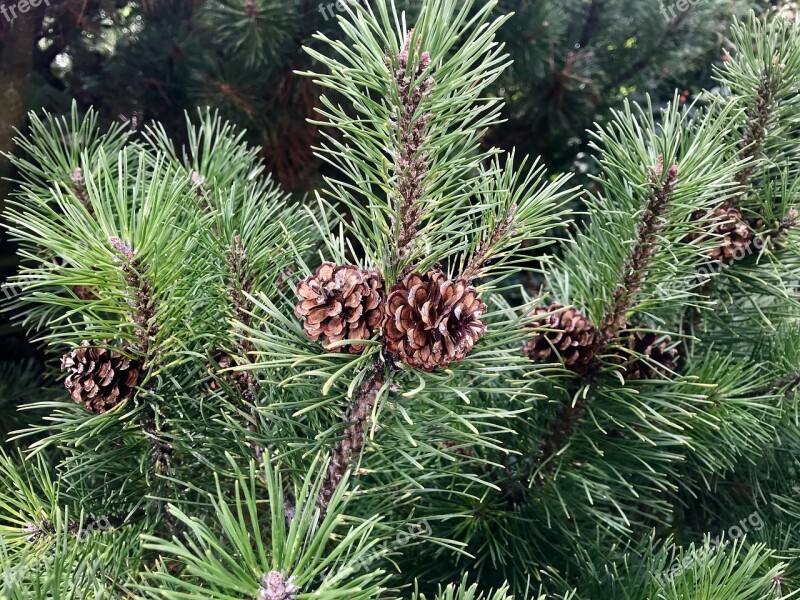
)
(634, 272)
(352, 442)
(411, 162)
(241, 284)
(79, 189)
(592, 19)
(755, 132)
(560, 432)
(671, 30)
(778, 234)
(481, 256)
(144, 308)
(141, 302)
(635, 269)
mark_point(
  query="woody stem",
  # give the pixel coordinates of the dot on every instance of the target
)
(352, 442)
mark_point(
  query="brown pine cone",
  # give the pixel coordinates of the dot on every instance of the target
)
(728, 222)
(571, 338)
(223, 360)
(341, 302)
(99, 378)
(658, 361)
(432, 321)
(83, 292)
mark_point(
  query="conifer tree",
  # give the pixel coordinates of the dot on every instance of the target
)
(352, 398)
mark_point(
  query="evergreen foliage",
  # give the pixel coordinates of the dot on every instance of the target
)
(434, 459)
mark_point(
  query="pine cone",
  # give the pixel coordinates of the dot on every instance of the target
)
(660, 359)
(572, 339)
(341, 302)
(432, 321)
(99, 378)
(729, 223)
(83, 292)
(223, 360)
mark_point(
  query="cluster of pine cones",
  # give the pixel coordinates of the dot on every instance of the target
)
(567, 336)
(428, 320)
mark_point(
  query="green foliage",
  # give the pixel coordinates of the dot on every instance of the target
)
(250, 457)
(228, 559)
(463, 592)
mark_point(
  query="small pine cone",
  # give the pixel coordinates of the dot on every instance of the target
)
(341, 302)
(99, 378)
(83, 292)
(658, 358)
(737, 235)
(223, 360)
(571, 338)
(432, 321)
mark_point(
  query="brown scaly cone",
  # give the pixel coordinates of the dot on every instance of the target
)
(341, 302)
(99, 378)
(432, 321)
(241, 379)
(572, 339)
(728, 222)
(660, 361)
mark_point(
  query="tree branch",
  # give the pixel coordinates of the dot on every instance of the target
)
(481, 256)
(352, 442)
(615, 318)
(411, 162)
(592, 19)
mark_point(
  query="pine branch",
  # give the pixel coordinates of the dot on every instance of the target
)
(481, 256)
(352, 442)
(141, 302)
(143, 305)
(560, 432)
(671, 30)
(241, 284)
(411, 162)
(778, 234)
(615, 317)
(79, 189)
(635, 269)
(592, 19)
(758, 117)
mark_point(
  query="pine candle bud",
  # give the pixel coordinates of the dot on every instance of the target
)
(275, 587)
(79, 186)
